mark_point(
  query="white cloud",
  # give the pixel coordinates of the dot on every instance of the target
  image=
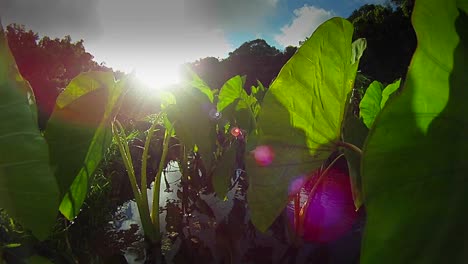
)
(376, 2)
(154, 36)
(306, 20)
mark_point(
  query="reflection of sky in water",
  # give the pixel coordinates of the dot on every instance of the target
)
(203, 228)
(220, 208)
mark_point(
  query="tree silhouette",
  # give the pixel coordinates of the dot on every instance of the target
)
(255, 59)
(48, 64)
(391, 40)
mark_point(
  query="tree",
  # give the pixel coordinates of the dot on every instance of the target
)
(258, 47)
(48, 64)
(255, 59)
(406, 6)
(391, 41)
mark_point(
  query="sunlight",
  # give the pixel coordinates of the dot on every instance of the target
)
(158, 77)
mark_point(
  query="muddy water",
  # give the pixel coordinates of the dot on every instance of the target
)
(219, 231)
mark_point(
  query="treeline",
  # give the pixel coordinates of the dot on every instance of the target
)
(255, 59)
(49, 64)
(391, 41)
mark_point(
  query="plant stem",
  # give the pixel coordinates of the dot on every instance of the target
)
(184, 178)
(157, 183)
(142, 202)
(144, 162)
(297, 205)
(119, 132)
(312, 192)
(349, 146)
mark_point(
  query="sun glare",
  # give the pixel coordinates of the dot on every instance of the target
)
(158, 78)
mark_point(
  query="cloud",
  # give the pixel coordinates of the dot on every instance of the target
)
(154, 36)
(306, 20)
(376, 2)
(56, 18)
(143, 34)
(240, 15)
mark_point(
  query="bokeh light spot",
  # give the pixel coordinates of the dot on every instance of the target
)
(264, 155)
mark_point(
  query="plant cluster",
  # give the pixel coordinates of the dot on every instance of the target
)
(281, 141)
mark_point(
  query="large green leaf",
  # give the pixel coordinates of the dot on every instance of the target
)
(28, 189)
(194, 123)
(301, 116)
(196, 82)
(236, 105)
(415, 162)
(231, 92)
(375, 99)
(79, 134)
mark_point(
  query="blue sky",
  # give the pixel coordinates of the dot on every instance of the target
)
(288, 12)
(154, 37)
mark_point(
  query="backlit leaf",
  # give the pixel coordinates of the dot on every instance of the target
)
(415, 162)
(301, 118)
(79, 133)
(28, 189)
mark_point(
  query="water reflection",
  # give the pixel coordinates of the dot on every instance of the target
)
(198, 227)
(207, 229)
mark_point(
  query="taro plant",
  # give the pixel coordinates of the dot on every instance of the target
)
(412, 166)
(42, 174)
(25, 174)
(409, 175)
(300, 123)
(149, 218)
(414, 160)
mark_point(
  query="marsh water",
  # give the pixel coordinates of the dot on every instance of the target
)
(213, 230)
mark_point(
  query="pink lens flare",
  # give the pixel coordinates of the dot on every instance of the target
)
(264, 155)
(330, 212)
(235, 131)
(296, 185)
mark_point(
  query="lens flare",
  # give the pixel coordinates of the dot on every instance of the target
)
(264, 155)
(330, 212)
(214, 114)
(235, 131)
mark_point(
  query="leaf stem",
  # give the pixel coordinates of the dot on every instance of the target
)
(312, 193)
(157, 184)
(349, 146)
(142, 202)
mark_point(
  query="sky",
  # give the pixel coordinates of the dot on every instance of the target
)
(154, 37)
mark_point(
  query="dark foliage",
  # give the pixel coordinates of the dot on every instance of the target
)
(391, 40)
(255, 59)
(48, 64)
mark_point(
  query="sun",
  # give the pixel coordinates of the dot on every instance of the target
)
(158, 77)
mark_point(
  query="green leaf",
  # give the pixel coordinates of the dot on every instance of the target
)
(28, 189)
(354, 132)
(12, 245)
(259, 91)
(370, 103)
(198, 83)
(223, 172)
(375, 99)
(301, 117)
(79, 134)
(236, 105)
(36, 259)
(231, 92)
(193, 124)
(415, 162)
(388, 92)
(358, 48)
